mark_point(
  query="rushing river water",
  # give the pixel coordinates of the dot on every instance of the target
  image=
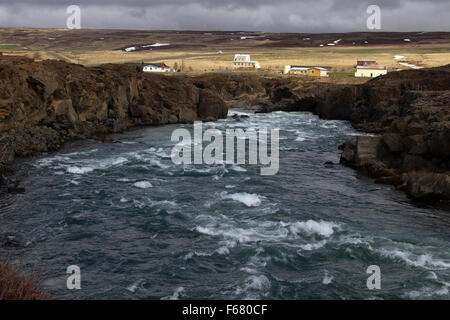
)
(140, 227)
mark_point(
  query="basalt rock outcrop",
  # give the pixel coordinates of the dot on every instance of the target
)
(44, 104)
(238, 89)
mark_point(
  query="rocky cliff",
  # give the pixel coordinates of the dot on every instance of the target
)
(44, 104)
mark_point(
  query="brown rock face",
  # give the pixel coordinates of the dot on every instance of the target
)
(411, 111)
(429, 186)
(210, 106)
(393, 142)
(44, 104)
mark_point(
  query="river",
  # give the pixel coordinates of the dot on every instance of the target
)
(141, 227)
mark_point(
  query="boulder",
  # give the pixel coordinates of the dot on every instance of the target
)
(416, 145)
(393, 142)
(211, 106)
(429, 186)
(348, 155)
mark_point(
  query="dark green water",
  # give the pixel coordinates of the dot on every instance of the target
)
(140, 227)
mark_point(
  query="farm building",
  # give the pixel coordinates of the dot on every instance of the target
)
(312, 71)
(156, 67)
(243, 61)
(370, 71)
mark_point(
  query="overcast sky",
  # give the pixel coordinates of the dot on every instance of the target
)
(258, 15)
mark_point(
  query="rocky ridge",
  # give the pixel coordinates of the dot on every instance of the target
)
(44, 104)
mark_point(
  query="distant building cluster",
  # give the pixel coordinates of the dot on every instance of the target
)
(364, 67)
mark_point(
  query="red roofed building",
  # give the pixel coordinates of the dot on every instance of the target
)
(362, 62)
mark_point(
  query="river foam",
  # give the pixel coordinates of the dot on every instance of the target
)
(250, 200)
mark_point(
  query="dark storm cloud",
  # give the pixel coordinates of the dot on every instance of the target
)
(265, 15)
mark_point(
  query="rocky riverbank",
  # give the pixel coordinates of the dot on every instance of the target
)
(44, 104)
(409, 111)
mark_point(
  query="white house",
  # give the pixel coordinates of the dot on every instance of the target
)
(243, 61)
(370, 71)
(157, 67)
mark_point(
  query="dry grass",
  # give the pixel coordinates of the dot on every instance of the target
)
(15, 286)
(342, 59)
(199, 50)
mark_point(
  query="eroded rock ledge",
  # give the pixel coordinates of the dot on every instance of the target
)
(410, 111)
